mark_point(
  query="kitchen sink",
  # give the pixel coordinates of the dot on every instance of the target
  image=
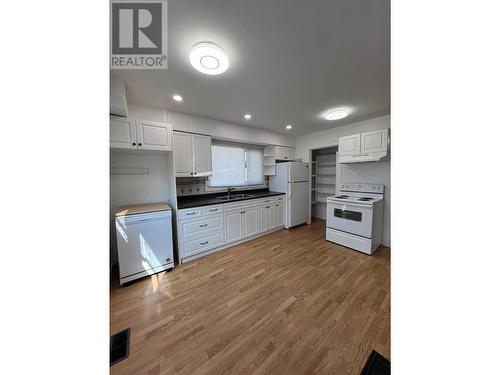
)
(234, 196)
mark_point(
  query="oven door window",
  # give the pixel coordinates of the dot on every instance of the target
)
(348, 215)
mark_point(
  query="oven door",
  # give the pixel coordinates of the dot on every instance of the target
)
(350, 217)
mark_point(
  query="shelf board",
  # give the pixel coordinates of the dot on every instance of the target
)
(326, 174)
(326, 164)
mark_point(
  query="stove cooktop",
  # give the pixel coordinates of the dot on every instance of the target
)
(356, 198)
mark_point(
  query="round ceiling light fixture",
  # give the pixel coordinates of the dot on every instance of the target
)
(177, 98)
(288, 127)
(248, 116)
(336, 114)
(208, 58)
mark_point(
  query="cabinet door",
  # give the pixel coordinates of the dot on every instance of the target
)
(202, 150)
(284, 153)
(270, 217)
(350, 145)
(154, 135)
(280, 214)
(234, 226)
(122, 133)
(250, 222)
(183, 154)
(261, 219)
(375, 141)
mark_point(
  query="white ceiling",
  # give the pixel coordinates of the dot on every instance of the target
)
(290, 60)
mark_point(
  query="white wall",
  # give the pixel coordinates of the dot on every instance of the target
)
(136, 189)
(370, 172)
(216, 129)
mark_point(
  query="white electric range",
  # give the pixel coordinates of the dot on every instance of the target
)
(355, 217)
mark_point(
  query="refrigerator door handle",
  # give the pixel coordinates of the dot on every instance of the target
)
(291, 174)
(291, 191)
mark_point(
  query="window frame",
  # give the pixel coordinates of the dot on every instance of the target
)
(245, 147)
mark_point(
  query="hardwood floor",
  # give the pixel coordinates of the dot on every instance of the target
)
(286, 303)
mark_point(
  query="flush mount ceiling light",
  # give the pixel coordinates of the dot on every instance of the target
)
(248, 116)
(177, 98)
(288, 127)
(336, 114)
(208, 58)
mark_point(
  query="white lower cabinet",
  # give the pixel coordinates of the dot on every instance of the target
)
(250, 222)
(200, 229)
(207, 242)
(280, 214)
(234, 226)
(241, 221)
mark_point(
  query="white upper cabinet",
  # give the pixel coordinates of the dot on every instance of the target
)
(140, 134)
(284, 153)
(122, 133)
(374, 141)
(183, 154)
(192, 155)
(202, 151)
(154, 135)
(369, 146)
(273, 153)
(350, 145)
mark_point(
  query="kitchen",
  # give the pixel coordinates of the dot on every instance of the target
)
(235, 202)
(250, 187)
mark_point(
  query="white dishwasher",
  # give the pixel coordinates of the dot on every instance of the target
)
(144, 240)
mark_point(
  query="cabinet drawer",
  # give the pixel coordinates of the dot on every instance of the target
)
(193, 226)
(212, 210)
(203, 244)
(240, 206)
(190, 213)
(280, 198)
(265, 201)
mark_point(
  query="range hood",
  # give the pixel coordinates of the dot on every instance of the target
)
(361, 158)
(118, 98)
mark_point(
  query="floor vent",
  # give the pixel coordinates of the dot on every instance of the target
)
(119, 346)
(376, 365)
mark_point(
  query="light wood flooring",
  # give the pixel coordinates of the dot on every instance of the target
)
(286, 303)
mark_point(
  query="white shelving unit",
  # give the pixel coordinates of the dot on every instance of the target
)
(323, 179)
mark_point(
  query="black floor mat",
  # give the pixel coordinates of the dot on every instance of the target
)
(376, 365)
(119, 346)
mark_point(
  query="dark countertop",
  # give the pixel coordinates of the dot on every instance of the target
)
(191, 201)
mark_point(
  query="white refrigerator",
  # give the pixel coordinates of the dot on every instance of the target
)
(292, 178)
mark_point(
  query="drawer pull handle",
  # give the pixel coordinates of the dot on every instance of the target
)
(204, 225)
(190, 213)
(214, 209)
(203, 243)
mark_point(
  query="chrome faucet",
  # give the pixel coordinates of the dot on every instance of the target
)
(229, 190)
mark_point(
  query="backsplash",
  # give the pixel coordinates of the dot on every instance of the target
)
(197, 185)
(190, 185)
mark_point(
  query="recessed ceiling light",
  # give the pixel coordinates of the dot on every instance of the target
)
(248, 116)
(336, 114)
(177, 98)
(208, 58)
(288, 127)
